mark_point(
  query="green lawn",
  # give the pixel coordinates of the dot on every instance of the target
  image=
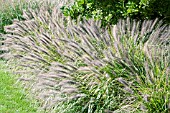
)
(13, 98)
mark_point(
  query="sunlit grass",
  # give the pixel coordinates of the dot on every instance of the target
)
(13, 98)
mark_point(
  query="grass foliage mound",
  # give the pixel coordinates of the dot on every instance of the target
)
(81, 67)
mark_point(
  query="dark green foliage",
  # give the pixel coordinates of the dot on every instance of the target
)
(109, 11)
(11, 12)
(7, 16)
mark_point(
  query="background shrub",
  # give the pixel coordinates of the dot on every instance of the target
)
(109, 11)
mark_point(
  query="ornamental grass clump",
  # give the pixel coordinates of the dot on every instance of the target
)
(120, 66)
(32, 45)
(80, 67)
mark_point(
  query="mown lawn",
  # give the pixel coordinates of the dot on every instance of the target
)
(13, 98)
